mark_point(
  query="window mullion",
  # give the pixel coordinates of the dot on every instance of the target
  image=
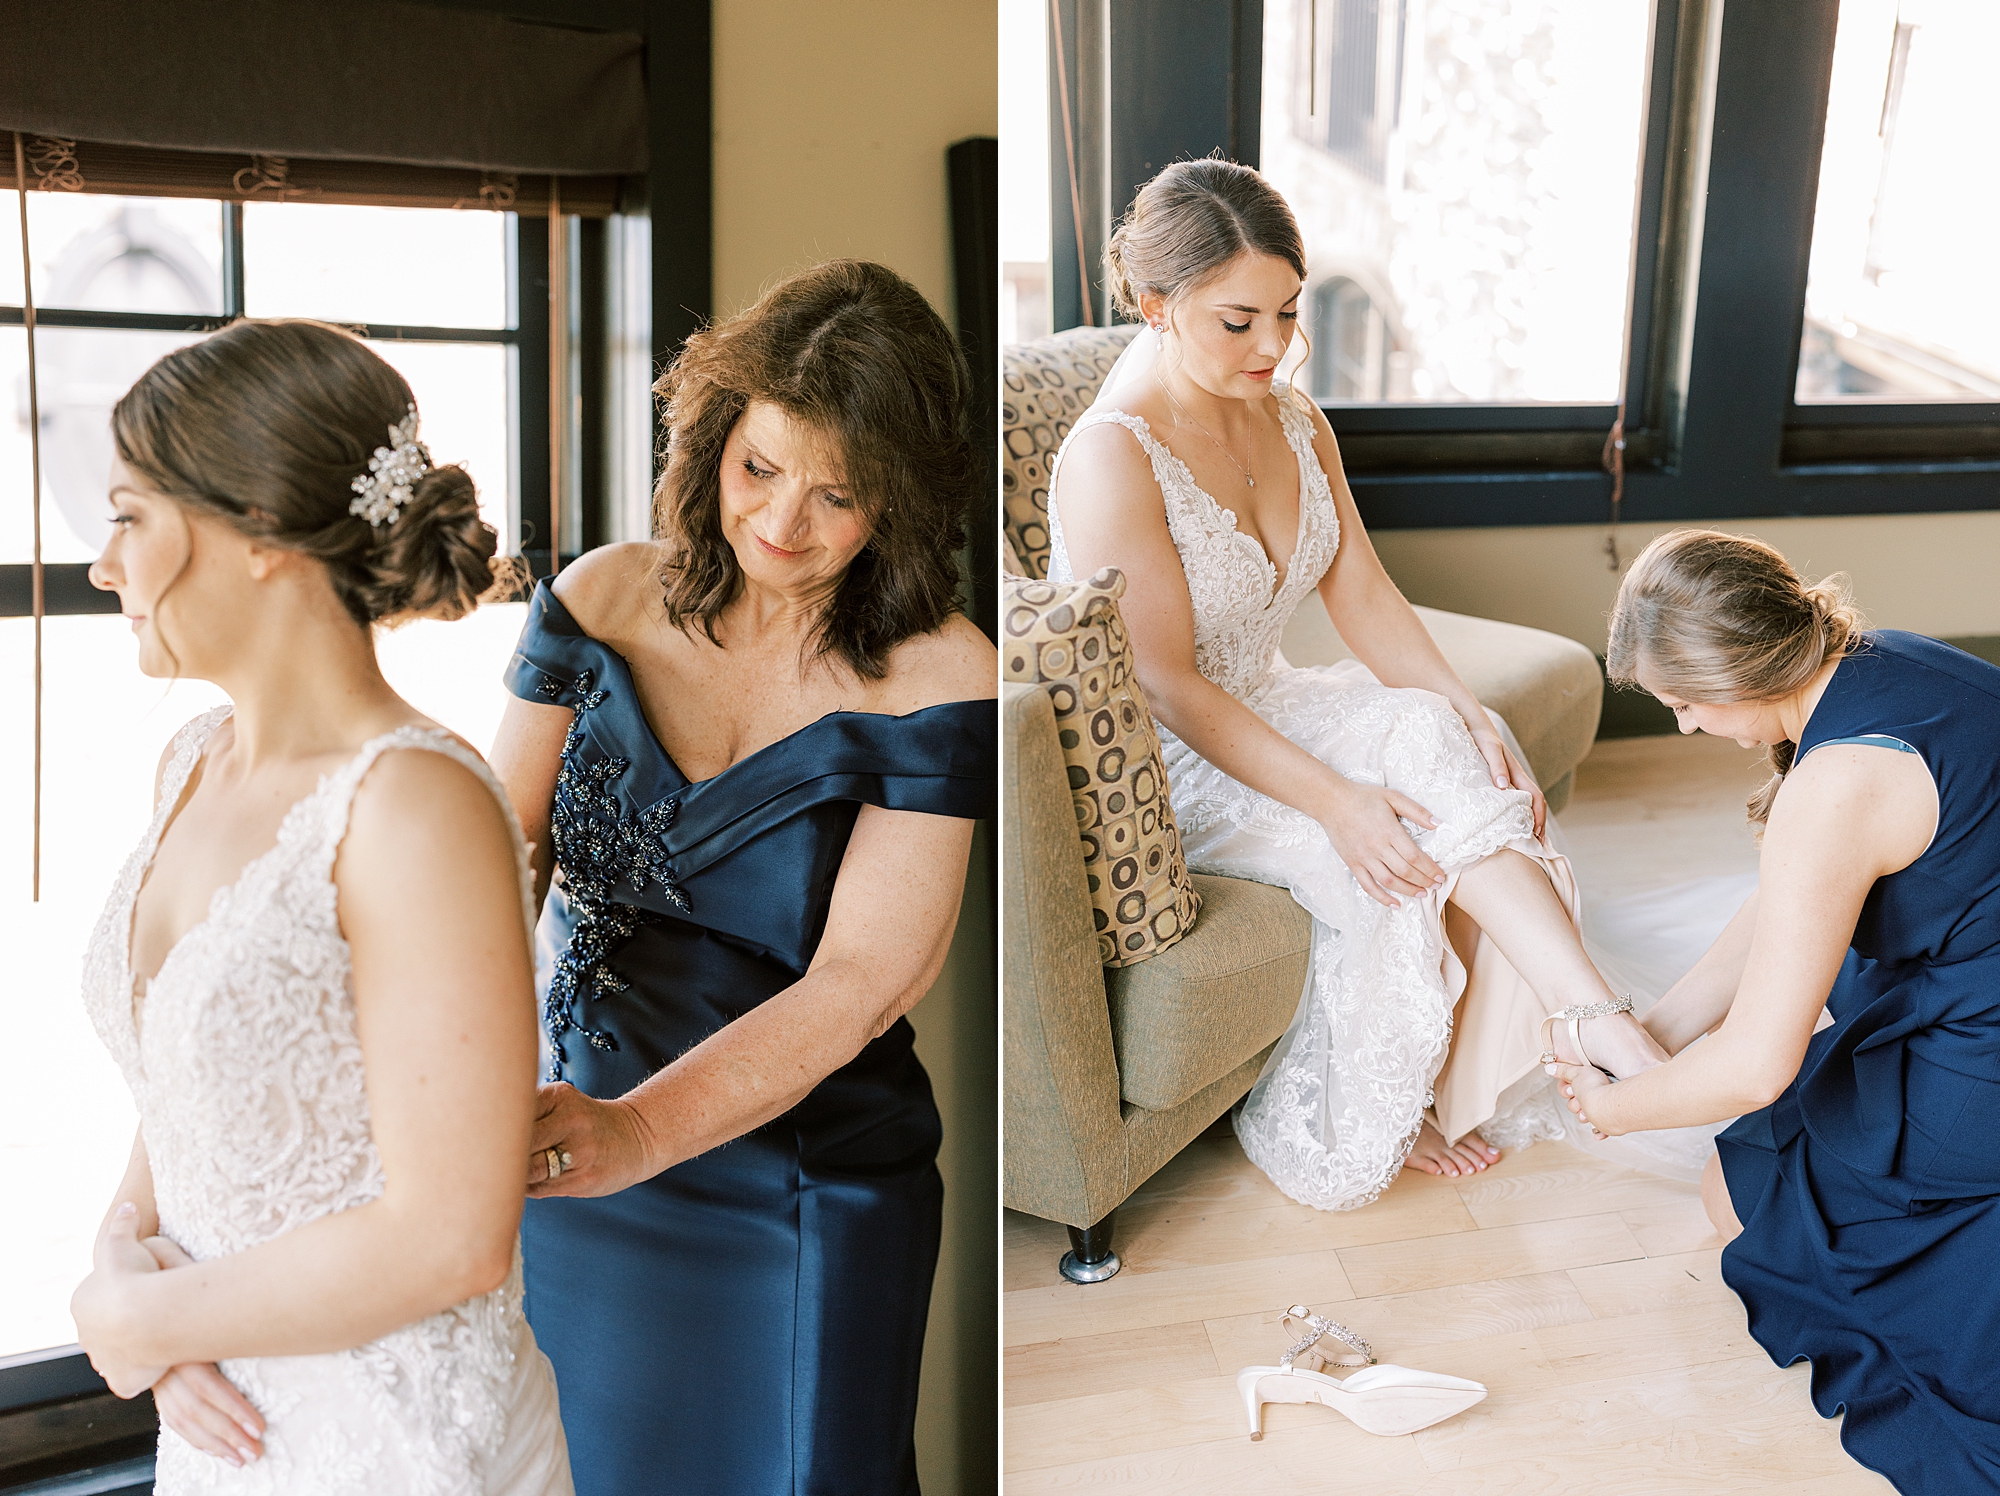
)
(232, 261)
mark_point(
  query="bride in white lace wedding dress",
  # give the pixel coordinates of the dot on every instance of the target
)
(313, 1261)
(1380, 794)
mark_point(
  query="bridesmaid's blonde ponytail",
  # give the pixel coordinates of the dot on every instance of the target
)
(1715, 618)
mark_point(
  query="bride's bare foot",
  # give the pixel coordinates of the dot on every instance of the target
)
(1618, 1043)
(1433, 1155)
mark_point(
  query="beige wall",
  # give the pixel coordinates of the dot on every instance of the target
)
(1931, 573)
(831, 125)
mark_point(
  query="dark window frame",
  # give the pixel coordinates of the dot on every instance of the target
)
(66, 585)
(1728, 177)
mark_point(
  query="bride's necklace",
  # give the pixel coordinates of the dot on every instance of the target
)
(1181, 412)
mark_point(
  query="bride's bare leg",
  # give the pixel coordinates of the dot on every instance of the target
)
(1509, 897)
(1431, 1154)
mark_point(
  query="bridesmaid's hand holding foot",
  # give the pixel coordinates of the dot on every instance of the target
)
(583, 1146)
(1584, 1088)
(1431, 1154)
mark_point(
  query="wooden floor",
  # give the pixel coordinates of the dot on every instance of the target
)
(1586, 1296)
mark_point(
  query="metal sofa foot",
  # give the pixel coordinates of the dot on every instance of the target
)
(1090, 1258)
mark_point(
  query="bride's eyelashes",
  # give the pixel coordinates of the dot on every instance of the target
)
(750, 467)
(1228, 326)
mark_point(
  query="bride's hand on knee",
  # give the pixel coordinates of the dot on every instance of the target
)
(1585, 1089)
(1365, 825)
(583, 1146)
(1509, 773)
(197, 1402)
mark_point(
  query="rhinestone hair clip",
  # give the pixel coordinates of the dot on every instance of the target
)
(393, 473)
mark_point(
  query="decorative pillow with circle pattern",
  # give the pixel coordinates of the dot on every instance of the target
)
(1046, 385)
(1069, 637)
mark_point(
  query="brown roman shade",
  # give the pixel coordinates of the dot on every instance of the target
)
(360, 80)
(66, 165)
(366, 101)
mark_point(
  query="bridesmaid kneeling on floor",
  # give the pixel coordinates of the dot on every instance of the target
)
(1860, 1190)
(750, 755)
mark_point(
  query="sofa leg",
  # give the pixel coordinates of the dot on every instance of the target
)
(1090, 1258)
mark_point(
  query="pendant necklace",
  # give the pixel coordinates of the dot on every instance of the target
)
(1180, 411)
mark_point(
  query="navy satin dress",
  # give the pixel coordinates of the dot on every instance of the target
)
(1870, 1190)
(750, 1322)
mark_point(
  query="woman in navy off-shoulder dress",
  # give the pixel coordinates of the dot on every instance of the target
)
(1861, 1184)
(757, 749)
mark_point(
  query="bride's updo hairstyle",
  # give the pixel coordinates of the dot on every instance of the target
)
(851, 350)
(1189, 222)
(1714, 618)
(267, 424)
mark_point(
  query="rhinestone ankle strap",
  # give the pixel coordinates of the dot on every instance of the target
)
(1321, 1327)
(1605, 1009)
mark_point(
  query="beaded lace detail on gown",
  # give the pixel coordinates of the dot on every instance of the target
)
(1339, 1103)
(243, 1059)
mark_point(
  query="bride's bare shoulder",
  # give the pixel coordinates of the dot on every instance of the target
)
(1105, 462)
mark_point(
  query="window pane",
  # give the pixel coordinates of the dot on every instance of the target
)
(81, 372)
(1899, 302)
(1024, 170)
(65, 1130)
(461, 391)
(426, 267)
(115, 254)
(1463, 174)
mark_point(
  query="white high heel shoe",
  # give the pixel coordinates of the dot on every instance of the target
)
(1381, 1400)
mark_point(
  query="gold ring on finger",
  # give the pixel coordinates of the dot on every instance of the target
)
(556, 1159)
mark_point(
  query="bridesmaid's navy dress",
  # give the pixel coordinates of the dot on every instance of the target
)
(749, 1322)
(1870, 1190)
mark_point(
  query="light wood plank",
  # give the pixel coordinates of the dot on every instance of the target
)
(1646, 1420)
(1665, 1339)
(1577, 1185)
(1400, 1327)
(1031, 1251)
(1051, 1370)
(1132, 1300)
(1133, 1420)
(1325, 1454)
(1157, 1236)
(1667, 1229)
(1493, 1252)
(1681, 1280)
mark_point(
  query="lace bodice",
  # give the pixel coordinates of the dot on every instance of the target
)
(243, 1059)
(1240, 608)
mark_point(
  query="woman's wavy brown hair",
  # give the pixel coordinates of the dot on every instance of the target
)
(852, 350)
(266, 425)
(1717, 618)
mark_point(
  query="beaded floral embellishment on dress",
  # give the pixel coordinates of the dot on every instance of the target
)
(598, 847)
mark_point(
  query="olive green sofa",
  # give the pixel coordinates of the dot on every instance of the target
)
(1109, 1072)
